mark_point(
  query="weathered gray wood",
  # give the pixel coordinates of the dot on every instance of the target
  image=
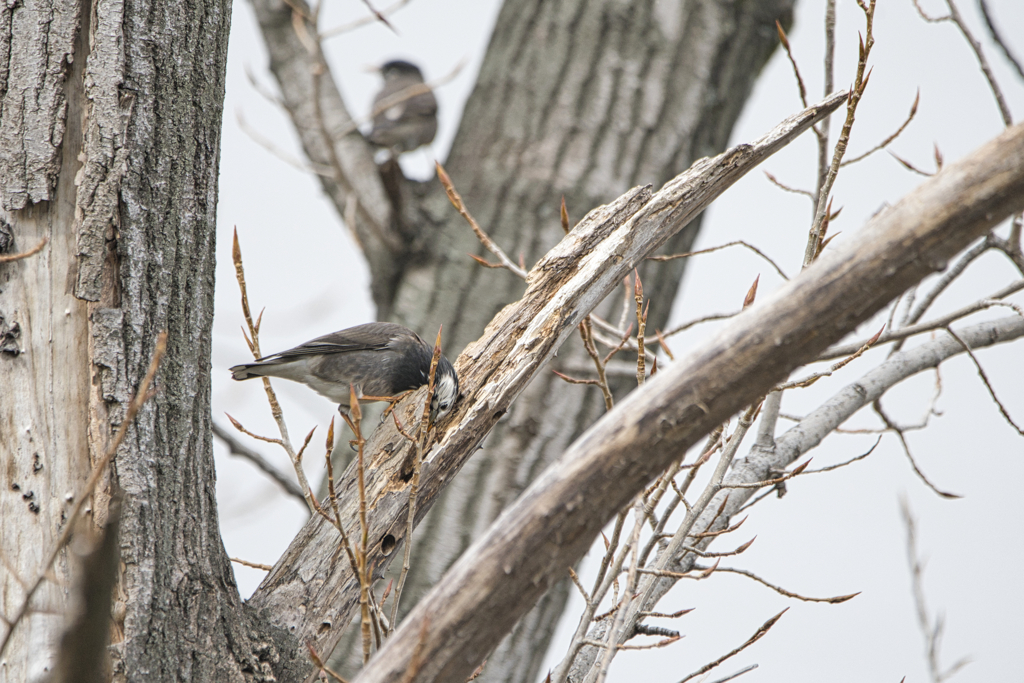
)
(581, 98)
(312, 589)
(554, 522)
(44, 365)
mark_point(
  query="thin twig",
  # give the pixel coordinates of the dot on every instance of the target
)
(998, 38)
(456, 200)
(853, 99)
(877, 405)
(275, 408)
(788, 188)
(363, 21)
(1004, 111)
(741, 243)
(704, 319)
(237, 448)
(984, 379)
(886, 142)
(796, 70)
(9, 258)
(846, 462)
(932, 632)
(782, 591)
(937, 323)
(320, 664)
(254, 565)
(750, 641)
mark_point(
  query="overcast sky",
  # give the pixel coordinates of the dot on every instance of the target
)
(832, 534)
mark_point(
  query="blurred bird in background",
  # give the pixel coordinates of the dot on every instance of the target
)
(378, 360)
(404, 111)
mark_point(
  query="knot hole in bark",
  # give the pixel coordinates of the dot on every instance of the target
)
(387, 544)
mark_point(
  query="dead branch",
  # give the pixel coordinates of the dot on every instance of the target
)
(640, 437)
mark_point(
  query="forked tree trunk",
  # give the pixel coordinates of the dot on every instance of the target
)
(581, 99)
(110, 136)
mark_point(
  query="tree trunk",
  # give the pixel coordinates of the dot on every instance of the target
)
(581, 99)
(110, 126)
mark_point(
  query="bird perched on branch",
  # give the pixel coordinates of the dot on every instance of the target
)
(404, 111)
(379, 360)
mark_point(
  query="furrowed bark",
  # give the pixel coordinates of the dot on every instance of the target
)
(311, 590)
(117, 165)
(554, 522)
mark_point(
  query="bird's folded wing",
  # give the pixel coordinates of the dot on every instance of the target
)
(362, 338)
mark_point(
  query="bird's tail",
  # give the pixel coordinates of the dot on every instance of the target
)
(248, 371)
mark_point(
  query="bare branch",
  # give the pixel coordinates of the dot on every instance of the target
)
(237, 448)
(998, 38)
(938, 323)
(749, 246)
(765, 627)
(984, 379)
(886, 142)
(456, 200)
(254, 565)
(932, 633)
(10, 258)
(956, 18)
(782, 591)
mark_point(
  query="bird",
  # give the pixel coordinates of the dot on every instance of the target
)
(404, 111)
(378, 360)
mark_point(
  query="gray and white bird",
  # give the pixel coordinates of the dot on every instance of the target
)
(377, 360)
(404, 111)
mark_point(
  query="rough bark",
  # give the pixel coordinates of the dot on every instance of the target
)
(312, 590)
(117, 165)
(555, 521)
(581, 99)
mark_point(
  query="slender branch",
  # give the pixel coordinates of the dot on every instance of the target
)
(956, 18)
(782, 591)
(998, 38)
(10, 258)
(456, 199)
(237, 448)
(760, 633)
(937, 323)
(741, 243)
(253, 341)
(984, 379)
(886, 142)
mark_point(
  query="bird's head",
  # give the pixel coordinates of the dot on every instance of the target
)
(399, 68)
(446, 389)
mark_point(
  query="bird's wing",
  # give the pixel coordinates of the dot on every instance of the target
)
(369, 337)
(424, 104)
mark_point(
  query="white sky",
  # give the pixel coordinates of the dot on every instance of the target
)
(833, 534)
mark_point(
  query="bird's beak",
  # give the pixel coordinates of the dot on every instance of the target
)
(433, 415)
